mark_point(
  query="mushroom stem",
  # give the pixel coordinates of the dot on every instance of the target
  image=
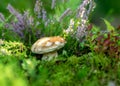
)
(49, 56)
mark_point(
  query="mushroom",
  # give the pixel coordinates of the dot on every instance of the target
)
(48, 46)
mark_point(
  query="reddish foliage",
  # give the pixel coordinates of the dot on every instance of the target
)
(108, 45)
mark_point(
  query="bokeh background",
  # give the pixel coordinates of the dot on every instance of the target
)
(109, 9)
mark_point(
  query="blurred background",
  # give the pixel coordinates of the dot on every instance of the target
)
(109, 9)
(21, 5)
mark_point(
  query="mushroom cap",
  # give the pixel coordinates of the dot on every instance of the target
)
(48, 44)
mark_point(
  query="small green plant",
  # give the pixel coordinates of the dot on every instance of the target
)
(12, 48)
(107, 42)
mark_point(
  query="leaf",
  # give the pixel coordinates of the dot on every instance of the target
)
(109, 26)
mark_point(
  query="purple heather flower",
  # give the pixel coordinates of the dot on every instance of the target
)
(2, 18)
(66, 12)
(40, 12)
(83, 14)
(38, 8)
(69, 30)
(53, 4)
(15, 13)
(24, 21)
(44, 16)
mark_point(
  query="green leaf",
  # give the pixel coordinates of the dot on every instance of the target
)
(108, 25)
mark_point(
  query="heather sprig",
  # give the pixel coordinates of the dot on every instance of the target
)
(24, 24)
(84, 11)
(53, 4)
(24, 21)
(80, 25)
(38, 8)
(2, 18)
(40, 11)
(64, 14)
(69, 30)
(83, 15)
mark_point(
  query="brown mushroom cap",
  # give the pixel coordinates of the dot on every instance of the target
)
(48, 44)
